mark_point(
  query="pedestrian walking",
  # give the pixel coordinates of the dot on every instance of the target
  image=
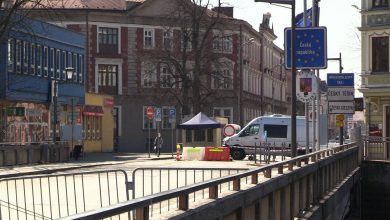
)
(158, 141)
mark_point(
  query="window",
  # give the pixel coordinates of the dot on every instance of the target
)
(168, 39)
(276, 131)
(75, 56)
(224, 112)
(200, 135)
(46, 62)
(39, 60)
(92, 126)
(146, 122)
(63, 64)
(188, 135)
(222, 79)
(32, 59)
(52, 62)
(107, 75)
(81, 66)
(69, 60)
(18, 53)
(148, 75)
(166, 76)
(380, 3)
(186, 43)
(148, 38)
(25, 57)
(108, 40)
(11, 55)
(380, 54)
(251, 130)
(223, 44)
(58, 64)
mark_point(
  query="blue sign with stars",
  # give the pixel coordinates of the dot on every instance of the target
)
(311, 48)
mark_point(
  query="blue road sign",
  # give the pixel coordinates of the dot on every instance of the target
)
(172, 115)
(157, 114)
(310, 49)
(340, 79)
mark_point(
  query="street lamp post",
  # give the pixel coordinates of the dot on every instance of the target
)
(69, 75)
(293, 74)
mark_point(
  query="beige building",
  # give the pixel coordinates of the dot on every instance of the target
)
(375, 35)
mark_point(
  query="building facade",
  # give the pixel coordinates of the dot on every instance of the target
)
(33, 59)
(128, 43)
(375, 35)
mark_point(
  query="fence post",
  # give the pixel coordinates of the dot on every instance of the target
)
(142, 213)
(213, 192)
(183, 202)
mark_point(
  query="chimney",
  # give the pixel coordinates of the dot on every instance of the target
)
(228, 11)
(265, 23)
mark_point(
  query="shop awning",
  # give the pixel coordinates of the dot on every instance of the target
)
(93, 110)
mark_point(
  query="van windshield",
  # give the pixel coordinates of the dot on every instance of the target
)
(276, 131)
(250, 130)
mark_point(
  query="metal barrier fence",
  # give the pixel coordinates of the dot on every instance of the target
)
(151, 180)
(342, 159)
(376, 148)
(58, 195)
(148, 181)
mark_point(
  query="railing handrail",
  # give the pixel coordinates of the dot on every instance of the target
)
(163, 196)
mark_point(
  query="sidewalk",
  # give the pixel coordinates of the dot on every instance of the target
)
(90, 160)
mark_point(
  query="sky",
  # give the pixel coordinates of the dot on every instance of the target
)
(339, 17)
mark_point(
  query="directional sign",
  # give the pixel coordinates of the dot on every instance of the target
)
(158, 114)
(310, 48)
(172, 115)
(341, 108)
(340, 79)
(341, 93)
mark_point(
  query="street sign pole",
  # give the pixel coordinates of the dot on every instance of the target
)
(149, 138)
(150, 116)
(172, 120)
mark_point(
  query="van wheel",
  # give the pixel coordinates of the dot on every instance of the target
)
(238, 154)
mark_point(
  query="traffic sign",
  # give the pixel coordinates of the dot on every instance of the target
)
(150, 112)
(340, 79)
(158, 114)
(172, 115)
(341, 93)
(341, 107)
(307, 86)
(310, 48)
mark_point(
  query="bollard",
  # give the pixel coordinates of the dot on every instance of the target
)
(177, 152)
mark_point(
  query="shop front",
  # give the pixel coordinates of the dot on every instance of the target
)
(98, 123)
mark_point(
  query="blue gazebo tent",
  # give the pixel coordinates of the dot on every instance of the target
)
(200, 121)
(202, 131)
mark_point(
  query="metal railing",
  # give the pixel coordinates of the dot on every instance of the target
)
(376, 148)
(344, 158)
(58, 195)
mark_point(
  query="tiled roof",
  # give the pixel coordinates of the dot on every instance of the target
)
(89, 4)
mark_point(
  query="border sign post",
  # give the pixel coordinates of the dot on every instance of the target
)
(341, 97)
(172, 120)
(150, 115)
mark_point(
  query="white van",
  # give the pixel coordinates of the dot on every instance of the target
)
(278, 133)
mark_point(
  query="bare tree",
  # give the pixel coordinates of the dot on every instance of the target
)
(190, 57)
(13, 14)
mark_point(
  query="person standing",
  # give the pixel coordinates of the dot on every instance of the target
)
(158, 141)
